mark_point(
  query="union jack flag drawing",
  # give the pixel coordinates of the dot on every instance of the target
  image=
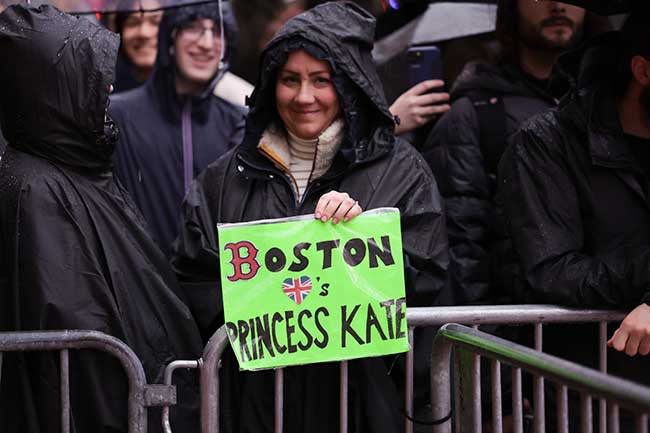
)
(297, 289)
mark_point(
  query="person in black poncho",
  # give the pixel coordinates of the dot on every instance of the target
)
(74, 253)
(319, 139)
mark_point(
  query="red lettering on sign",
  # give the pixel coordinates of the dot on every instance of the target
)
(238, 261)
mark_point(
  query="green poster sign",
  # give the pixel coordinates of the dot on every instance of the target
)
(299, 291)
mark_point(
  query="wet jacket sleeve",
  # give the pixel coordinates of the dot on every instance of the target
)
(195, 259)
(453, 152)
(424, 235)
(544, 219)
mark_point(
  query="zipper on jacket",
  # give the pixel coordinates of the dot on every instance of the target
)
(188, 145)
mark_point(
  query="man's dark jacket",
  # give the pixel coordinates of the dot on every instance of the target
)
(73, 250)
(480, 259)
(160, 129)
(372, 166)
(577, 206)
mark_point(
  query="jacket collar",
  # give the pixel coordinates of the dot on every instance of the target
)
(607, 145)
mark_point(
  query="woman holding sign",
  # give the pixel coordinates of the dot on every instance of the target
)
(319, 139)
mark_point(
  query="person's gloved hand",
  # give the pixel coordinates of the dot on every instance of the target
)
(633, 336)
(416, 106)
(337, 206)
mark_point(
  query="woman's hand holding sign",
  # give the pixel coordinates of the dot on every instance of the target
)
(337, 206)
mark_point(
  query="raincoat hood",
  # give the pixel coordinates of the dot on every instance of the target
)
(173, 19)
(499, 80)
(342, 34)
(56, 86)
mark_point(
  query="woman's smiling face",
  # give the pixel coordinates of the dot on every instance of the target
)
(306, 99)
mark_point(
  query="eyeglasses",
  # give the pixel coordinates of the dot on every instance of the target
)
(194, 32)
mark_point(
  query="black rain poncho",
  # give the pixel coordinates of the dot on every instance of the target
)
(73, 250)
(372, 166)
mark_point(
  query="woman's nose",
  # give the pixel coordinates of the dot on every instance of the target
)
(305, 94)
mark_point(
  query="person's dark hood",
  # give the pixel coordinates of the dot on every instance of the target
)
(500, 80)
(591, 64)
(342, 34)
(172, 20)
(55, 75)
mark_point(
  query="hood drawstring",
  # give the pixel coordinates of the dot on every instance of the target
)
(188, 145)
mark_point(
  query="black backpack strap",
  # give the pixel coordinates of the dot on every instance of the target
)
(491, 115)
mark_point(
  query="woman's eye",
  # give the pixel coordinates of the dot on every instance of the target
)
(322, 81)
(289, 79)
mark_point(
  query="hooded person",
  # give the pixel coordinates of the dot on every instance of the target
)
(561, 173)
(74, 253)
(319, 139)
(173, 126)
(490, 103)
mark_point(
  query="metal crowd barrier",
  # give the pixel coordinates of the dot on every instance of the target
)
(141, 395)
(470, 343)
(417, 317)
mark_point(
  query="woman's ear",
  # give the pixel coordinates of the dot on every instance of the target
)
(640, 68)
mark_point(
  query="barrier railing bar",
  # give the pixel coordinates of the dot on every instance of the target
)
(0, 367)
(597, 384)
(457, 394)
(169, 374)
(470, 389)
(432, 316)
(642, 424)
(209, 381)
(279, 400)
(408, 386)
(476, 394)
(61, 340)
(586, 414)
(517, 404)
(343, 401)
(64, 361)
(507, 314)
(538, 386)
(562, 409)
(602, 366)
(441, 382)
(497, 415)
(612, 418)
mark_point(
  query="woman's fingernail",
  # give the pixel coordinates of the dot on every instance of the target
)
(335, 220)
(317, 215)
(324, 219)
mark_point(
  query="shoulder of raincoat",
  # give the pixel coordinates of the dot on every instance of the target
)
(480, 259)
(73, 250)
(560, 176)
(167, 139)
(3, 144)
(372, 166)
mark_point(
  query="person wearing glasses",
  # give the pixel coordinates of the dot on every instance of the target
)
(173, 126)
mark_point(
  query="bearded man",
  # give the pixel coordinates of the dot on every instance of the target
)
(489, 103)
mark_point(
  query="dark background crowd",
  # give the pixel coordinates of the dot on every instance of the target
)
(521, 172)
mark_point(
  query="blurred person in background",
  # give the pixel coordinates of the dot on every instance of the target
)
(74, 251)
(575, 187)
(319, 140)
(173, 126)
(490, 102)
(139, 34)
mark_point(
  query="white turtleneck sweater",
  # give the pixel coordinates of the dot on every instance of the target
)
(301, 163)
(303, 160)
